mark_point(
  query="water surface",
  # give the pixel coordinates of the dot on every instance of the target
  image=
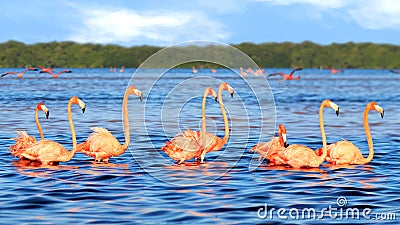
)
(224, 190)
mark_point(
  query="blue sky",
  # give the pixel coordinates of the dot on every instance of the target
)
(166, 22)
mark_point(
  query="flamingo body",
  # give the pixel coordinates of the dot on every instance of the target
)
(299, 156)
(47, 152)
(181, 148)
(101, 145)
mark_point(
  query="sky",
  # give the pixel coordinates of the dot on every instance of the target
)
(167, 22)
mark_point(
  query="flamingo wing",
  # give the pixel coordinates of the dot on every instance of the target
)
(64, 71)
(101, 140)
(274, 74)
(101, 145)
(182, 148)
(296, 69)
(7, 73)
(22, 141)
(45, 151)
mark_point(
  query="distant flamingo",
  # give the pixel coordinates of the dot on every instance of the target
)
(46, 70)
(242, 73)
(24, 140)
(345, 152)
(19, 75)
(122, 69)
(50, 152)
(189, 144)
(335, 71)
(259, 72)
(249, 70)
(213, 143)
(287, 77)
(55, 75)
(194, 70)
(298, 156)
(269, 150)
(213, 70)
(101, 144)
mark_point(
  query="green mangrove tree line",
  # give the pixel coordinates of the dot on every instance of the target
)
(306, 54)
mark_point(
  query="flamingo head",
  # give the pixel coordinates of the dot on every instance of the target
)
(375, 106)
(225, 86)
(77, 101)
(282, 136)
(210, 91)
(132, 90)
(329, 104)
(42, 106)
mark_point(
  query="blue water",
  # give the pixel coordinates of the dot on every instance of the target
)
(144, 186)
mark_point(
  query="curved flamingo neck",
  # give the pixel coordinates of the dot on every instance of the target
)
(226, 124)
(368, 135)
(38, 124)
(126, 121)
(203, 118)
(322, 128)
(72, 128)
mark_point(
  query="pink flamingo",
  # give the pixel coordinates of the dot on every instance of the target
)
(189, 144)
(194, 70)
(269, 150)
(101, 144)
(345, 152)
(213, 70)
(213, 142)
(49, 152)
(46, 70)
(298, 156)
(24, 140)
(335, 71)
(242, 73)
(19, 75)
(287, 77)
(55, 75)
(122, 69)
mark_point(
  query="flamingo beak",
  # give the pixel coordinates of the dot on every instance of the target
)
(380, 110)
(216, 99)
(45, 110)
(285, 144)
(337, 112)
(82, 105)
(140, 98)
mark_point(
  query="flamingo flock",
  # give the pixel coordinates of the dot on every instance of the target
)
(41, 69)
(101, 145)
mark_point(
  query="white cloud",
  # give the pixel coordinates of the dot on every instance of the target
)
(124, 25)
(369, 14)
(377, 14)
(323, 4)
